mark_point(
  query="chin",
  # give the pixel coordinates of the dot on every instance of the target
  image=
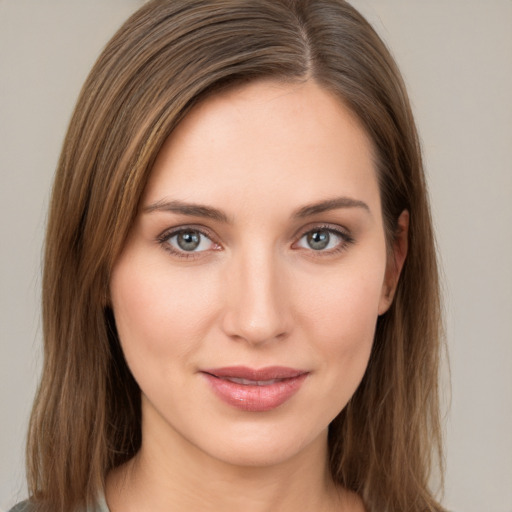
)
(262, 443)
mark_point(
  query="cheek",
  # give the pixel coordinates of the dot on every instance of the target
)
(340, 318)
(345, 300)
(160, 311)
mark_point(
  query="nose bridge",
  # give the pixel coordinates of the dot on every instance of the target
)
(256, 298)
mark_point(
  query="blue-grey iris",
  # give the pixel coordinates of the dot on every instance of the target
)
(318, 240)
(188, 240)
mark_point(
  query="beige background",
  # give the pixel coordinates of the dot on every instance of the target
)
(456, 56)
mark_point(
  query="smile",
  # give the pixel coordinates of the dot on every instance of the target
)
(255, 390)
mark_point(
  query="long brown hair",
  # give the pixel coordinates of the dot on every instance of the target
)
(167, 57)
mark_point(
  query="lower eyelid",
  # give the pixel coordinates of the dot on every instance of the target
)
(345, 238)
(164, 241)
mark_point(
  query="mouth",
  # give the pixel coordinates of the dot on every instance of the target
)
(255, 390)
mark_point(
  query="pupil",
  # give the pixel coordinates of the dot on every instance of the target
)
(318, 240)
(188, 240)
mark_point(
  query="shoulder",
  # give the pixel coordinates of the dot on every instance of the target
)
(23, 506)
(27, 506)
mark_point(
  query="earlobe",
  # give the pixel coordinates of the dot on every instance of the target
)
(395, 262)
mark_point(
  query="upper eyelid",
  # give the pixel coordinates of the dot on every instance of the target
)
(168, 233)
(335, 228)
(163, 241)
(300, 233)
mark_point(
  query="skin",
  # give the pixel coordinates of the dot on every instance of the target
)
(253, 293)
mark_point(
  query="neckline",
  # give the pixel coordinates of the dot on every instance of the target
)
(102, 503)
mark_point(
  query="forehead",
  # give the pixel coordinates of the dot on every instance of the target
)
(262, 139)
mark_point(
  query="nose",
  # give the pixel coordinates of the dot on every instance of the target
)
(257, 305)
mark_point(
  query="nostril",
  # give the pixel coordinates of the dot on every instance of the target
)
(267, 329)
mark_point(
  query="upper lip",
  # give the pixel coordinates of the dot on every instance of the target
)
(255, 374)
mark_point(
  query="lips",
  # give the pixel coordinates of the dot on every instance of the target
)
(255, 390)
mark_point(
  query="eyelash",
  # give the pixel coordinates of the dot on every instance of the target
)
(164, 238)
(345, 240)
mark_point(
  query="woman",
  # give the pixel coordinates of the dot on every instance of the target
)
(240, 295)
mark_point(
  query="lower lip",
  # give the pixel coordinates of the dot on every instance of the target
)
(255, 398)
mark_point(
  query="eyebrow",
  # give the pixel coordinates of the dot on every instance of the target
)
(191, 209)
(330, 204)
(198, 210)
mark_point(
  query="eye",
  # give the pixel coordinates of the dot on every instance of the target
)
(324, 239)
(185, 242)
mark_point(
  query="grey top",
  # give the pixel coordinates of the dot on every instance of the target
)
(26, 506)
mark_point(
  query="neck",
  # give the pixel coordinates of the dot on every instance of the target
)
(178, 476)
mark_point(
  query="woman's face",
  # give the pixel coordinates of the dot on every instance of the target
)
(247, 294)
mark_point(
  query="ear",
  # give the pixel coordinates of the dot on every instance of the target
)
(395, 262)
